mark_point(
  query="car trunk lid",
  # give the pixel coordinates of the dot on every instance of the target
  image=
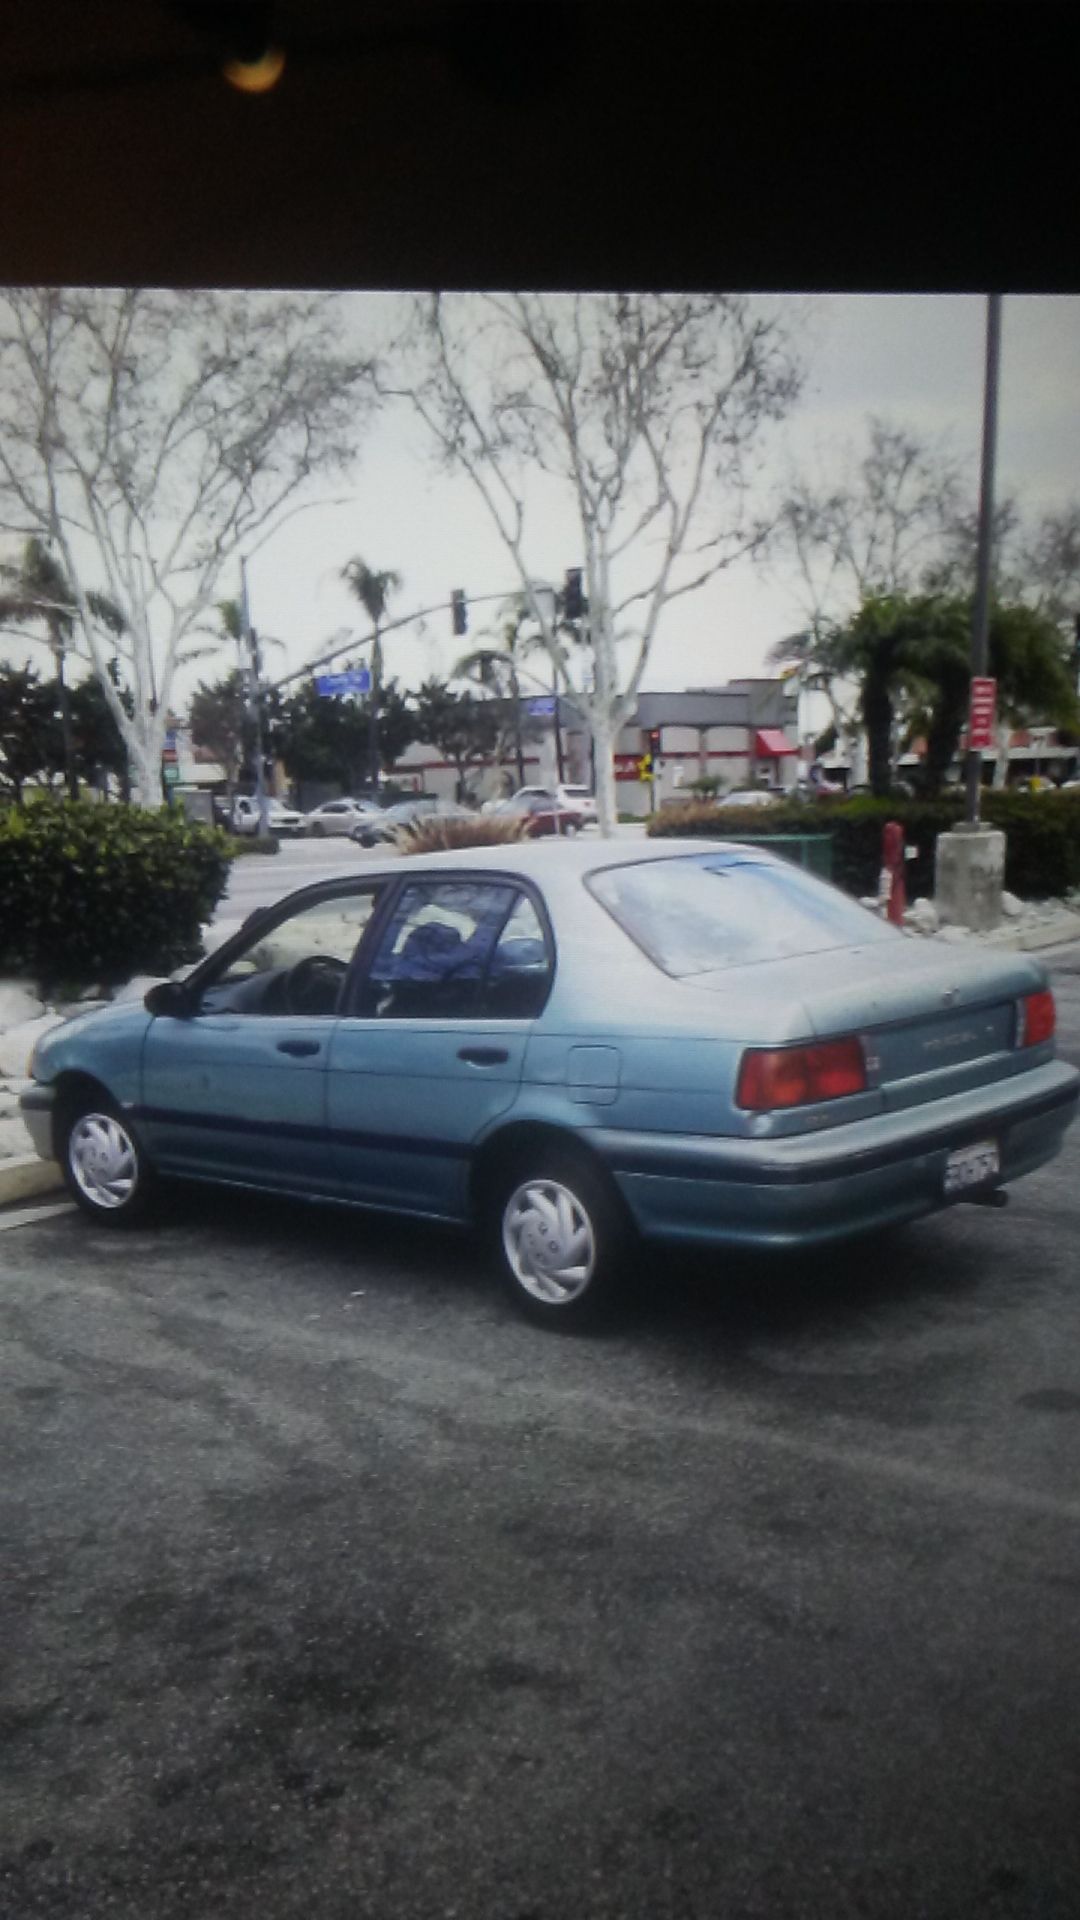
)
(933, 1021)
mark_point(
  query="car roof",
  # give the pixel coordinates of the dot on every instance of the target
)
(537, 859)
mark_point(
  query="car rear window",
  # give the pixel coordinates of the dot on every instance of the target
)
(696, 914)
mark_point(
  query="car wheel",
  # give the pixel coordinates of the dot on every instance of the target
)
(316, 830)
(562, 1240)
(569, 828)
(104, 1164)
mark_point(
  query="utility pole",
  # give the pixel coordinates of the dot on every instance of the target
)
(969, 862)
(984, 553)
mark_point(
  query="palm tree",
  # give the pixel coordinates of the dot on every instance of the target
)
(38, 590)
(373, 590)
(496, 666)
(1032, 662)
(1029, 657)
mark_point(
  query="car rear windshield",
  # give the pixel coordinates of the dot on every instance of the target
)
(702, 912)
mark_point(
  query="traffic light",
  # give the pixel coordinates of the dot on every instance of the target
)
(573, 600)
(654, 743)
(459, 611)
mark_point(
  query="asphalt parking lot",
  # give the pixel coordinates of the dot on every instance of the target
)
(334, 1589)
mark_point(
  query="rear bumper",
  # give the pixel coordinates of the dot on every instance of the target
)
(803, 1190)
(36, 1107)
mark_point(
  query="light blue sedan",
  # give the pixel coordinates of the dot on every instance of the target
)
(575, 1047)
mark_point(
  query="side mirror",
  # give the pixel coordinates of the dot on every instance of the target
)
(169, 997)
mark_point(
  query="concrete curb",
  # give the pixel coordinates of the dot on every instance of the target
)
(1053, 933)
(26, 1176)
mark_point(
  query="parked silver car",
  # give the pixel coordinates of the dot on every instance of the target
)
(339, 816)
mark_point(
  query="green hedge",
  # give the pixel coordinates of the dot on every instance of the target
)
(1042, 857)
(93, 893)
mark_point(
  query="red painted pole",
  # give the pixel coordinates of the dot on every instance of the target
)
(892, 865)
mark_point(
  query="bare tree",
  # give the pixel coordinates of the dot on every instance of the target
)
(148, 435)
(1049, 567)
(880, 529)
(645, 412)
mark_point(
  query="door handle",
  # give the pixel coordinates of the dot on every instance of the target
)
(483, 1056)
(298, 1048)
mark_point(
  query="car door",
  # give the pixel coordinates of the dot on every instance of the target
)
(432, 1049)
(237, 1091)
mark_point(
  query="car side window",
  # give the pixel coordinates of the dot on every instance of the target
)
(519, 972)
(297, 966)
(432, 960)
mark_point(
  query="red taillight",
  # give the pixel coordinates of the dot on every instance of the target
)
(797, 1076)
(1037, 1019)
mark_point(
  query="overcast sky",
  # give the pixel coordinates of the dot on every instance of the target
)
(916, 359)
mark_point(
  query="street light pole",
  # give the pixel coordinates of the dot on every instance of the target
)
(984, 554)
(64, 698)
(252, 645)
(373, 713)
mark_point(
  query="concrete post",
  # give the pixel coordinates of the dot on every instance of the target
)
(969, 876)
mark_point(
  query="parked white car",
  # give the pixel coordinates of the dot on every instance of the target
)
(279, 818)
(751, 797)
(339, 816)
(579, 801)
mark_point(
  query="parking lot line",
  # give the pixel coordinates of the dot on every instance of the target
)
(25, 1216)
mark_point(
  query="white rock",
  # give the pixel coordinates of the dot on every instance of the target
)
(136, 989)
(16, 1043)
(1011, 906)
(923, 916)
(954, 934)
(18, 1002)
(215, 936)
(14, 1139)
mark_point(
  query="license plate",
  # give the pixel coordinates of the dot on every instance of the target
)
(972, 1166)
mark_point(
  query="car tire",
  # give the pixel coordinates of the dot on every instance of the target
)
(316, 830)
(104, 1164)
(561, 1238)
(569, 828)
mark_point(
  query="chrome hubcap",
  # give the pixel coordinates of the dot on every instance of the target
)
(549, 1241)
(103, 1160)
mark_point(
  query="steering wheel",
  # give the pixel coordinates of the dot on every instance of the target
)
(313, 984)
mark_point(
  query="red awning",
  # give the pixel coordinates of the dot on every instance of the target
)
(771, 743)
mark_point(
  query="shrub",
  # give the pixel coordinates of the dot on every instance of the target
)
(438, 836)
(91, 892)
(1042, 849)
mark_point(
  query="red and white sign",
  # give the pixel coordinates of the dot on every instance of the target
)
(627, 766)
(981, 714)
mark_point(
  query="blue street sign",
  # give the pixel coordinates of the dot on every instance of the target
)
(541, 704)
(356, 680)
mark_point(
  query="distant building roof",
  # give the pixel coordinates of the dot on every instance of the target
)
(695, 707)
